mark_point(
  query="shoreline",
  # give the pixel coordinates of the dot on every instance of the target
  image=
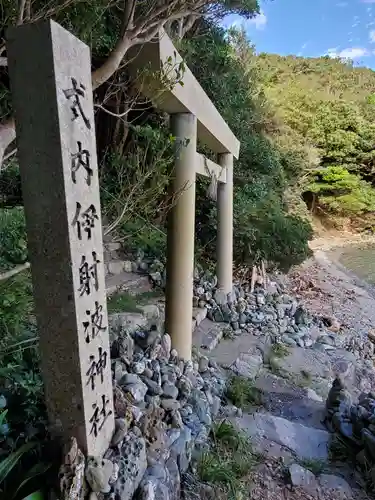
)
(330, 259)
(342, 240)
(327, 288)
(327, 252)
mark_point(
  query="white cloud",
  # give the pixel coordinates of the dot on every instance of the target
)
(259, 21)
(372, 36)
(349, 53)
(237, 23)
(332, 52)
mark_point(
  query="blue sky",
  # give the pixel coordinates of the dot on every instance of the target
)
(312, 28)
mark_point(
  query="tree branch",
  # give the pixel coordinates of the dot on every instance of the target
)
(187, 25)
(128, 20)
(155, 18)
(28, 10)
(21, 12)
(145, 32)
(112, 63)
(156, 13)
(9, 155)
(130, 36)
(14, 271)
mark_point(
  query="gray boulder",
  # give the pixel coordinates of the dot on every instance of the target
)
(303, 478)
(305, 442)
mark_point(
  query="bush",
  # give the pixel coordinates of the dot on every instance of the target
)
(141, 235)
(343, 192)
(134, 186)
(13, 243)
(23, 417)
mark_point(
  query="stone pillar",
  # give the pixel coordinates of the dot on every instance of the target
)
(225, 226)
(50, 73)
(181, 229)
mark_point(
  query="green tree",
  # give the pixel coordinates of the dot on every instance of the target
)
(222, 64)
(325, 107)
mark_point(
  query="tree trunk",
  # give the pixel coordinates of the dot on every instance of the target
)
(112, 63)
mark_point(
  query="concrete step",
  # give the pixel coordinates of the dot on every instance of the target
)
(114, 267)
(282, 398)
(228, 350)
(208, 334)
(268, 433)
(127, 282)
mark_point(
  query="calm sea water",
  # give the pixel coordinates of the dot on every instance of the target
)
(360, 260)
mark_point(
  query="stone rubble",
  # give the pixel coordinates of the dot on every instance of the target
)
(355, 423)
(164, 408)
(320, 486)
(266, 312)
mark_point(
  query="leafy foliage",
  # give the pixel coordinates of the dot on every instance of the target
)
(242, 392)
(342, 191)
(13, 243)
(325, 106)
(263, 227)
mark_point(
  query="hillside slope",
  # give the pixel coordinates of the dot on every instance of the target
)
(323, 109)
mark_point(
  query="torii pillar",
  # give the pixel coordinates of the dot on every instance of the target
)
(224, 268)
(181, 232)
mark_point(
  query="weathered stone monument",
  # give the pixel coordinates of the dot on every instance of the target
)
(50, 72)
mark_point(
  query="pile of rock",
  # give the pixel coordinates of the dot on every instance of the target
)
(264, 311)
(322, 486)
(355, 422)
(164, 409)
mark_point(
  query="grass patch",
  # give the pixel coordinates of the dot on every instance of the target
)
(306, 377)
(144, 297)
(228, 333)
(229, 461)
(241, 392)
(123, 302)
(303, 380)
(279, 351)
(314, 465)
(340, 450)
(126, 302)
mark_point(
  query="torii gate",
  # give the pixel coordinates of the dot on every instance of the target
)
(193, 116)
